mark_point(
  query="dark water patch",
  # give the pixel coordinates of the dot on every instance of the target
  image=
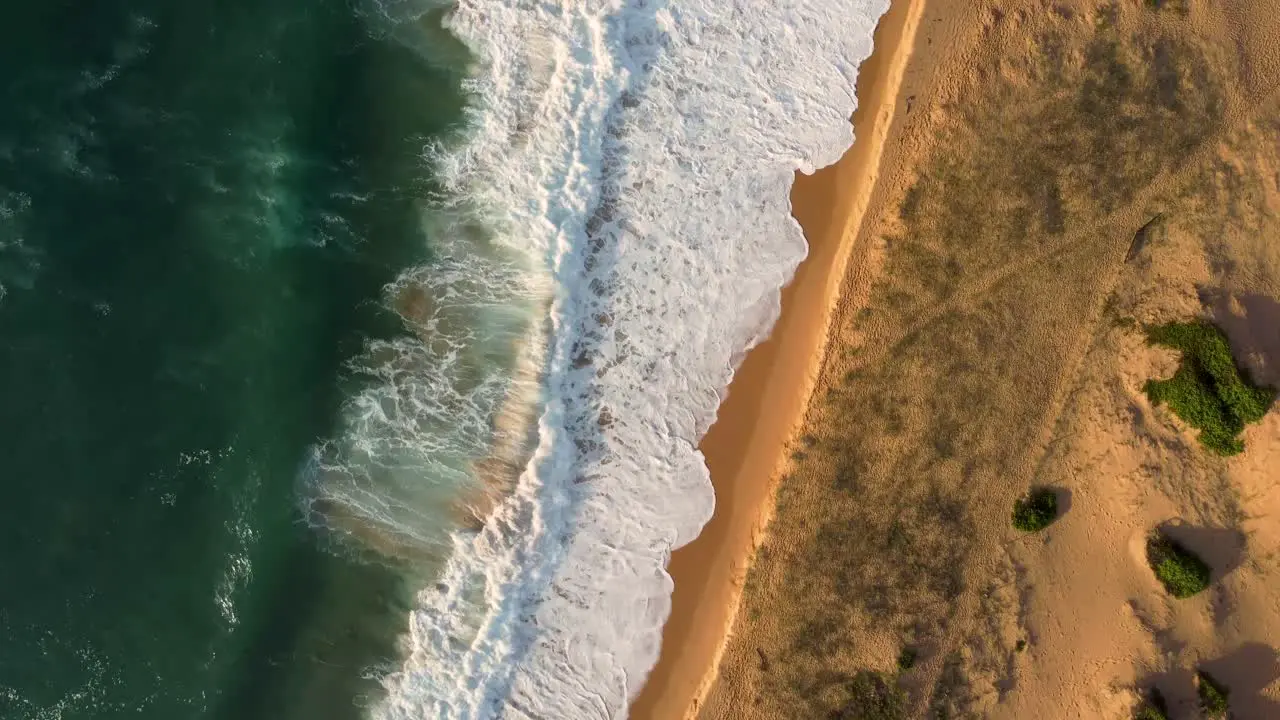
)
(199, 207)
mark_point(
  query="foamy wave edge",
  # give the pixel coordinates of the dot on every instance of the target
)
(643, 153)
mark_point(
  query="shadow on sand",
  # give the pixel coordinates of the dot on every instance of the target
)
(1252, 323)
(1245, 672)
(1063, 497)
(1222, 548)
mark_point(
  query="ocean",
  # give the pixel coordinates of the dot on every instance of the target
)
(354, 354)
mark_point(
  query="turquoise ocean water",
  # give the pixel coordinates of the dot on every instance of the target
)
(280, 319)
(200, 206)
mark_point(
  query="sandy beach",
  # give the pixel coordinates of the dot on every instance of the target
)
(747, 445)
(1029, 190)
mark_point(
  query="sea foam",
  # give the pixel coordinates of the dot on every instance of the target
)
(633, 161)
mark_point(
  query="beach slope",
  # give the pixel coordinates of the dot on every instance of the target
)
(746, 446)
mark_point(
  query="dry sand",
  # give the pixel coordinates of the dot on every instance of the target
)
(985, 338)
(770, 390)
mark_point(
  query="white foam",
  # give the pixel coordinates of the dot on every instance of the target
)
(639, 154)
(20, 264)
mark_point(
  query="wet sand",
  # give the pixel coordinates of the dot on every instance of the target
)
(747, 445)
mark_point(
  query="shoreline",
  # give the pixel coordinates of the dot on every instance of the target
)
(769, 393)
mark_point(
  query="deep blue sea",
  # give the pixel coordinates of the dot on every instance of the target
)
(200, 206)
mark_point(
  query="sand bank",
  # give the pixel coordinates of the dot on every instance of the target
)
(747, 444)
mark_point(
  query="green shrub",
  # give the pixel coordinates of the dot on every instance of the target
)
(907, 658)
(1213, 696)
(872, 696)
(1208, 391)
(1154, 708)
(1181, 572)
(1150, 712)
(1036, 511)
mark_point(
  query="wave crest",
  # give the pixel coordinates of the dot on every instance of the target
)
(633, 163)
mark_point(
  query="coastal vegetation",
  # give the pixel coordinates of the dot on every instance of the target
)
(1213, 696)
(1151, 710)
(1208, 391)
(1178, 6)
(907, 658)
(1036, 511)
(1181, 571)
(1153, 707)
(872, 696)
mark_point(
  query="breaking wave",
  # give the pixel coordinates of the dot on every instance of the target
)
(616, 231)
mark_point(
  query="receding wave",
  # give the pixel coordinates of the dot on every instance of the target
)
(619, 234)
(438, 406)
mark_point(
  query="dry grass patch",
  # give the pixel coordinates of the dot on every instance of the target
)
(998, 257)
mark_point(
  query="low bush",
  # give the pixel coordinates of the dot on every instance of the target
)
(1153, 708)
(1213, 696)
(1208, 391)
(1036, 511)
(872, 696)
(907, 658)
(1181, 571)
(1150, 712)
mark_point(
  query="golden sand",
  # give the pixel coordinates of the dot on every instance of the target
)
(770, 390)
